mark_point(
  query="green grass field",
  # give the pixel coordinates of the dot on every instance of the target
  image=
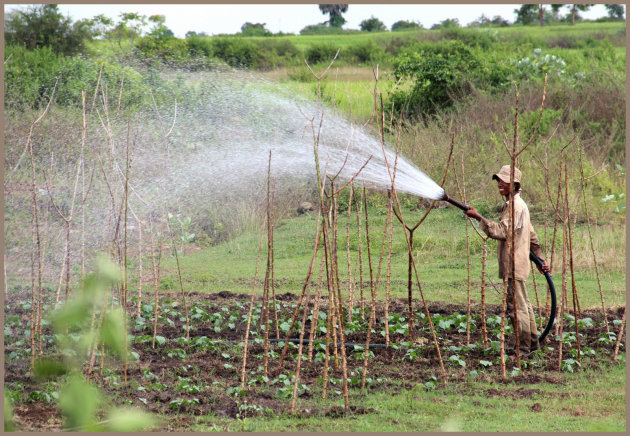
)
(439, 247)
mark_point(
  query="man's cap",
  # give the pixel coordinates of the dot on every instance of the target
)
(504, 174)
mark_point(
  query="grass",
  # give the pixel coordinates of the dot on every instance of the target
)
(586, 401)
(439, 247)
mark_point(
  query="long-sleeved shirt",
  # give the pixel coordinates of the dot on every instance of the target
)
(525, 239)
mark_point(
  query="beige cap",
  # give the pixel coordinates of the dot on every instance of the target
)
(504, 174)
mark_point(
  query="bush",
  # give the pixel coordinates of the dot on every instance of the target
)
(324, 52)
(200, 46)
(365, 52)
(372, 24)
(171, 51)
(30, 77)
(321, 29)
(438, 71)
(405, 25)
(236, 52)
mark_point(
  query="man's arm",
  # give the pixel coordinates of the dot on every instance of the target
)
(494, 230)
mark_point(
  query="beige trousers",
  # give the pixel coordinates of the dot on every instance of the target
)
(527, 331)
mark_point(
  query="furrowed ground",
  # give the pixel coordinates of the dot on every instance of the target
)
(195, 384)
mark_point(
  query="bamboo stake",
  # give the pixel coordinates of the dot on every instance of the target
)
(484, 327)
(576, 310)
(315, 317)
(373, 293)
(125, 270)
(156, 278)
(390, 220)
(249, 314)
(179, 276)
(462, 192)
(300, 349)
(307, 284)
(350, 284)
(620, 334)
(272, 273)
(564, 292)
(410, 251)
(140, 276)
(590, 237)
(360, 255)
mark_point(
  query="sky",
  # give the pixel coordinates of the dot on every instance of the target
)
(291, 18)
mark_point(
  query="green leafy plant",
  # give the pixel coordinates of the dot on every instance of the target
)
(80, 401)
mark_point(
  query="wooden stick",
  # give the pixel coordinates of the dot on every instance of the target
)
(249, 314)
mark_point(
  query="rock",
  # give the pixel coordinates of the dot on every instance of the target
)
(305, 207)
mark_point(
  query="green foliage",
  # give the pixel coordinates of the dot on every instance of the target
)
(321, 29)
(255, 29)
(321, 53)
(438, 73)
(364, 52)
(171, 51)
(445, 24)
(81, 402)
(40, 26)
(372, 24)
(539, 64)
(31, 75)
(9, 425)
(236, 52)
(334, 11)
(401, 25)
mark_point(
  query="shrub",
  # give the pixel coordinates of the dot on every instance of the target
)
(372, 24)
(438, 72)
(365, 52)
(321, 29)
(236, 52)
(30, 77)
(171, 51)
(317, 53)
(405, 25)
(200, 46)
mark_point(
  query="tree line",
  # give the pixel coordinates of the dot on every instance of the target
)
(45, 26)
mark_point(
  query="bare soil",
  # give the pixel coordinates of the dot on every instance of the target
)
(158, 381)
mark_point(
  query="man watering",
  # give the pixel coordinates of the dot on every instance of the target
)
(525, 239)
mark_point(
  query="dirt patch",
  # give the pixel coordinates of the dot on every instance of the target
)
(202, 376)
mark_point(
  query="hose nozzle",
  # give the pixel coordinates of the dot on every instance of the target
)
(456, 203)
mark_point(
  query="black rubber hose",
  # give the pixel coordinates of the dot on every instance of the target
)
(306, 341)
(552, 292)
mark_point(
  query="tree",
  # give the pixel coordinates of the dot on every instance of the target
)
(192, 33)
(44, 26)
(578, 7)
(526, 14)
(335, 11)
(446, 24)
(405, 25)
(615, 11)
(372, 24)
(257, 29)
(159, 30)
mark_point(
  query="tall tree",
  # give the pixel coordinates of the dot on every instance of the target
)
(44, 26)
(335, 11)
(372, 24)
(578, 7)
(526, 14)
(615, 11)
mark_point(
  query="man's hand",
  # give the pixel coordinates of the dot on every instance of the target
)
(544, 268)
(472, 212)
